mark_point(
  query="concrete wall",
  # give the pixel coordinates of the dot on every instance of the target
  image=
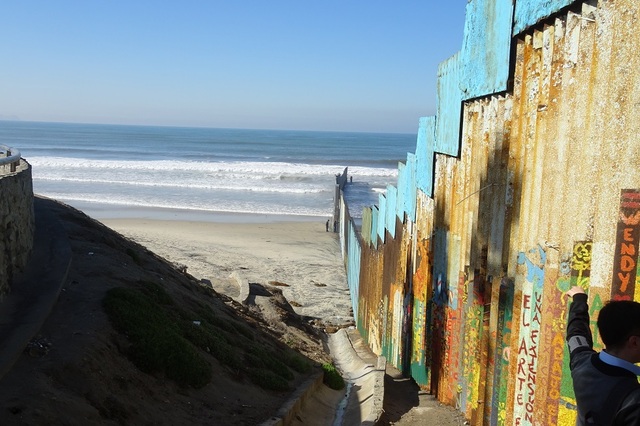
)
(519, 194)
(16, 221)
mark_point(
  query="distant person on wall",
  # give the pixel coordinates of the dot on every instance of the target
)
(606, 383)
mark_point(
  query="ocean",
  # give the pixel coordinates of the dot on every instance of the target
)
(112, 171)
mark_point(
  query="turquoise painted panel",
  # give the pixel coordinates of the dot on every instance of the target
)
(410, 189)
(382, 216)
(449, 107)
(353, 268)
(375, 212)
(486, 47)
(425, 154)
(392, 194)
(403, 176)
(530, 12)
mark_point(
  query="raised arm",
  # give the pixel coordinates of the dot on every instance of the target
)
(579, 336)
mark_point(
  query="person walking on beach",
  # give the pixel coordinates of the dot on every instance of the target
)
(605, 383)
(327, 226)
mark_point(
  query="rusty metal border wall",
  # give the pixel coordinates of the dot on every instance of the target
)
(519, 195)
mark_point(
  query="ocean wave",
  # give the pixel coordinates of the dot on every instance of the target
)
(217, 185)
(239, 167)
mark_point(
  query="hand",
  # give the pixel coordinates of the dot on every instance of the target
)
(576, 289)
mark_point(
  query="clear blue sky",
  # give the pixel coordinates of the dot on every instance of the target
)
(290, 64)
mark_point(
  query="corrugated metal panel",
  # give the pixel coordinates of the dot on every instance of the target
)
(342, 222)
(422, 336)
(353, 269)
(391, 195)
(449, 106)
(372, 310)
(403, 192)
(392, 286)
(365, 228)
(486, 47)
(409, 189)
(425, 146)
(375, 214)
(382, 217)
(530, 12)
(496, 247)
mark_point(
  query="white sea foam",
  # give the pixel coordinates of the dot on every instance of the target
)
(186, 185)
(238, 169)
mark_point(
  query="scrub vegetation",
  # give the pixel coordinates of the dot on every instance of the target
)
(167, 339)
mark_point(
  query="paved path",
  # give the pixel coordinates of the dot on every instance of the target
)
(34, 291)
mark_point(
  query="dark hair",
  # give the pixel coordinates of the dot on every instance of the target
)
(618, 320)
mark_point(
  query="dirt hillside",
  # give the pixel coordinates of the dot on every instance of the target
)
(82, 368)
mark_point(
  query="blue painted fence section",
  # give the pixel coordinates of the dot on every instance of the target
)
(392, 194)
(449, 106)
(531, 12)
(353, 268)
(382, 216)
(408, 189)
(403, 177)
(486, 47)
(375, 212)
(424, 154)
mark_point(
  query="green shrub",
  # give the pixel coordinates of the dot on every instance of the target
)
(185, 365)
(266, 361)
(332, 377)
(165, 339)
(156, 341)
(156, 293)
(214, 341)
(298, 363)
(268, 380)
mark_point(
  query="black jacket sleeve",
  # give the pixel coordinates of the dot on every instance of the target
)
(629, 412)
(579, 337)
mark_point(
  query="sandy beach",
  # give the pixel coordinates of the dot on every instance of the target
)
(300, 257)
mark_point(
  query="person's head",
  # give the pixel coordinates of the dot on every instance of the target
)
(619, 325)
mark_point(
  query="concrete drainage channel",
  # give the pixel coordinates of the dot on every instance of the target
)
(364, 373)
(359, 404)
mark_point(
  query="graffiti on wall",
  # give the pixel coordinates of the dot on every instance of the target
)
(438, 305)
(420, 359)
(501, 356)
(625, 260)
(454, 340)
(473, 325)
(528, 377)
(529, 338)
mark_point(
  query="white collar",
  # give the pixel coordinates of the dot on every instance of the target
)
(618, 362)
